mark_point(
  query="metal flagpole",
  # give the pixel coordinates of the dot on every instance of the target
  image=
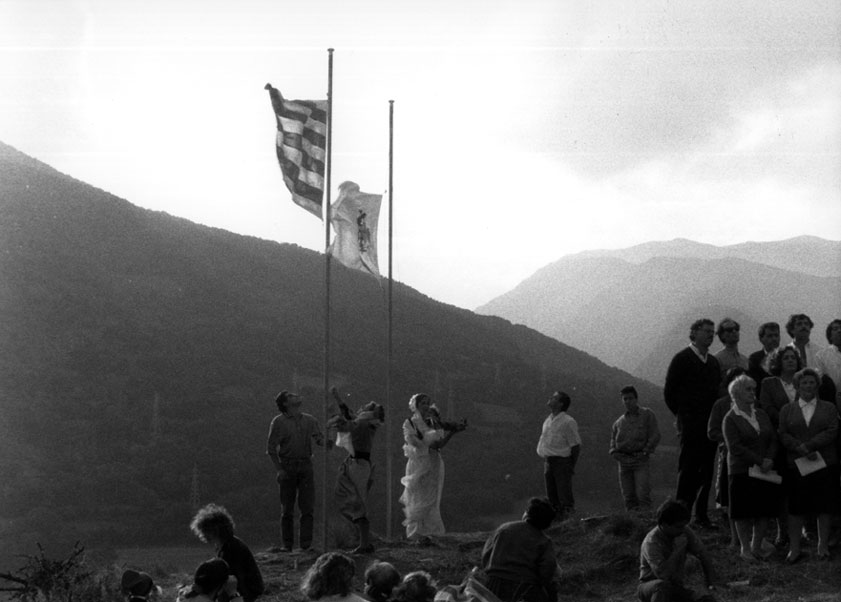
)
(327, 293)
(389, 406)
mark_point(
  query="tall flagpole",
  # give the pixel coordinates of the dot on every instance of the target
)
(389, 493)
(327, 293)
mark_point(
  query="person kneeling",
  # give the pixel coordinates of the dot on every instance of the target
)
(519, 559)
(663, 557)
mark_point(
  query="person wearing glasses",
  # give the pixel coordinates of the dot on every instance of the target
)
(729, 357)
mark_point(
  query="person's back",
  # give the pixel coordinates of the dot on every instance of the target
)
(244, 567)
(519, 560)
(518, 551)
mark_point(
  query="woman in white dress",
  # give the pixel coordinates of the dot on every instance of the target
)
(423, 484)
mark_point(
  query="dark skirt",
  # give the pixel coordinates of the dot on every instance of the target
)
(817, 493)
(753, 498)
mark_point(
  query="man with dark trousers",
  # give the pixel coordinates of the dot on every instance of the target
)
(289, 447)
(691, 389)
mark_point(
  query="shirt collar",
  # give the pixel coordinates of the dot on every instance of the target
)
(697, 351)
(802, 403)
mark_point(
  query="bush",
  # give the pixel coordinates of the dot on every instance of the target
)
(42, 579)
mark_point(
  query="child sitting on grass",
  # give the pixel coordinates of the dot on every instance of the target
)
(214, 525)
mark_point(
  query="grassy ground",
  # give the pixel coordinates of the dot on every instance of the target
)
(598, 556)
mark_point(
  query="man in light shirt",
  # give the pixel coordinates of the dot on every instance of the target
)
(559, 446)
(829, 358)
(799, 328)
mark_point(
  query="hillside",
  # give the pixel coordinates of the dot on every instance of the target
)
(598, 557)
(141, 355)
(635, 304)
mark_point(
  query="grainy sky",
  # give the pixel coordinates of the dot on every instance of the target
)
(524, 130)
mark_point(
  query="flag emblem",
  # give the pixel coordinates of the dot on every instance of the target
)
(355, 216)
(301, 148)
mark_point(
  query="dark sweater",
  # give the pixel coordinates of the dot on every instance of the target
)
(242, 566)
(746, 447)
(691, 388)
(521, 553)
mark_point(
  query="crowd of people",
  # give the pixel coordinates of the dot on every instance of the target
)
(769, 422)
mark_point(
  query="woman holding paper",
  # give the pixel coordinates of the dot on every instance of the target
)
(808, 430)
(753, 485)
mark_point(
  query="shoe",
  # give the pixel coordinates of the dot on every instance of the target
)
(285, 550)
(749, 557)
(824, 555)
(369, 549)
(794, 558)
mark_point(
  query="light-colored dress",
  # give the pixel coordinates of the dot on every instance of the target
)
(424, 480)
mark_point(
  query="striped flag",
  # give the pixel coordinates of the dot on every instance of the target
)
(301, 148)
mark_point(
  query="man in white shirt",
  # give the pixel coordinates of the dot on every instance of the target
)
(799, 328)
(559, 446)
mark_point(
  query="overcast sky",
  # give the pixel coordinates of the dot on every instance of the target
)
(524, 130)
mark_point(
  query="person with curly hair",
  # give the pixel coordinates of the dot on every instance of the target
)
(213, 524)
(417, 586)
(380, 580)
(331, 578)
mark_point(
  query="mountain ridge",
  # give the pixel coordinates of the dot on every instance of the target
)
(634, 302)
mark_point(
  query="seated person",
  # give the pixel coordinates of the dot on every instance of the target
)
(380, 580)
(331, 578)
(138, 586)
(663, 557)
(214, 525)
(210, 583)
(519, 559)
(417, 586)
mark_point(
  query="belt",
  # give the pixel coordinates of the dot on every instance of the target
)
(362, 456)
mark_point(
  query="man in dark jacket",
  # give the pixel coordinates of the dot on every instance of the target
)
(690, 391)
(519, 560)
(759, 362)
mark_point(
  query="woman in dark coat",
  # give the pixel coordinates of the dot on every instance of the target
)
(808, 430)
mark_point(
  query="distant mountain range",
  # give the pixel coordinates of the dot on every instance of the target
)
(632, 308)
(140, 355)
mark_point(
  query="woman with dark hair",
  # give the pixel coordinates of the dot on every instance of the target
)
(778, 389)
(380, 580)
(808, 430)
(331, 578)
(751, 444)
(425, 436)
(213, 524)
